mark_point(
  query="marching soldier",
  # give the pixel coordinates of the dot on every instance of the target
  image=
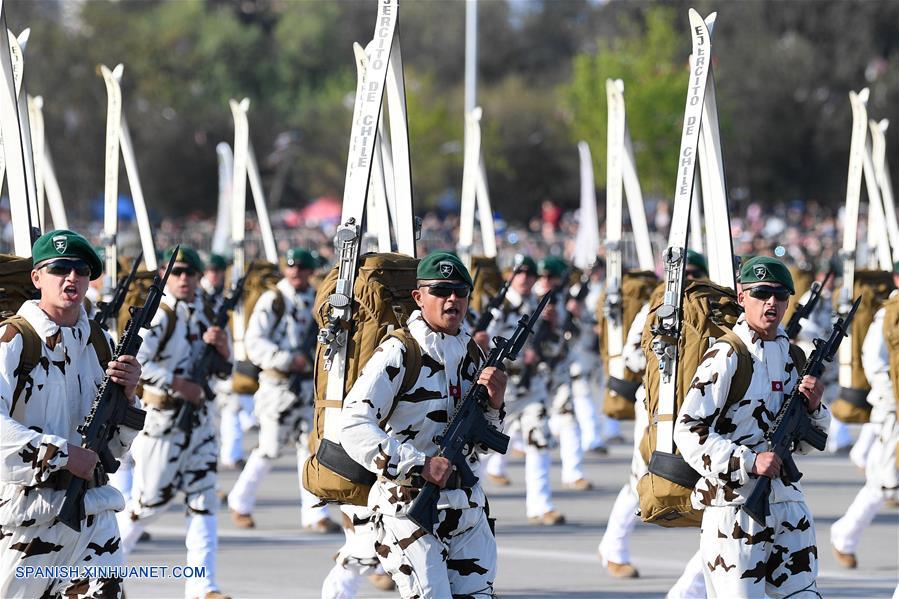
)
(740, 557)
(614, 548)
(460, 560)
(563, 422)
(528, 404)
(881, 477)
(168, 459)
(40, 410)
(212, 285)
(280, 339)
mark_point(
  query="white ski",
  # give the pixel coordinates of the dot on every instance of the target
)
(16, 49)
(586, 243)
(17, 151)
(221, 238)
(850, 220)
(882, 174)
(238, 218)
(363, 138)
(714, 191)
(668, 315)
(475, 193)
(111, 177)
(879, 257)
(635, 206)
(614, 215)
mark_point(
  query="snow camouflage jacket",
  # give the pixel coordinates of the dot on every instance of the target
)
(722, 447)
(38, 425)
(273, 346)
(177, 357)
(396, 452)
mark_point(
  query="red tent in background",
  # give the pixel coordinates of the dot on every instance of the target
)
(322, 210)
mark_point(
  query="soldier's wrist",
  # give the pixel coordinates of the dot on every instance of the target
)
(749, 461)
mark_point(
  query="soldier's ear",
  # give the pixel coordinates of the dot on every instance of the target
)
(740, 297)
(416, 295)
(35, 279)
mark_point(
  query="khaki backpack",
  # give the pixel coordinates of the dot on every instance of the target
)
(261, 277)
(709, 313)
(32, 343)
(636, 290)
(488, 280)
(382, 303)
(874, 287)
(15, 284)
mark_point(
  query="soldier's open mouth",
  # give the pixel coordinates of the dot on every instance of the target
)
(70, 291)
(451, 311)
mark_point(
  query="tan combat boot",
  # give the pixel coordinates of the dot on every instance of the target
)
(242, 520)
(847, 560)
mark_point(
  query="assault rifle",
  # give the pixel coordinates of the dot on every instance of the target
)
(495, 302)
(307, 349)
(568, 327)
(805, 310)
(468, 426)
(792, 424)
(107, 310)
(111, 408)
(542, 334)
(209, 360)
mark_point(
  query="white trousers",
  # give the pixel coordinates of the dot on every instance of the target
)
(691, 584)
(538, 494)
(201, 542)
(242, 498)
(615, 543)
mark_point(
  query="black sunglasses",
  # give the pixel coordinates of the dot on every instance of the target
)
(181, 270)
(62, 268)
(764, 292)
(447, 289)
(692, 273)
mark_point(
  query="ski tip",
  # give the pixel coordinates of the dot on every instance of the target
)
(710, 20)
(39, 102)
(864, 94)
(883, 125)
(619, 83)
(118, 71)
(477, 113)
(23, 37)
(244, 104)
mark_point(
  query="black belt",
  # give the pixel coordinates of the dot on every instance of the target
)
(856, 397)
(626, 389)
(674, 468)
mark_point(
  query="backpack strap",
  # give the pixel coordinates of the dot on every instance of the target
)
(170, 321)
(279, 307)
(31, 350)
(101, 345)
(739, 384)
(798, 356)
(412, 367)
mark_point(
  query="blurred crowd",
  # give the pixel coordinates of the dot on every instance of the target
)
(803, 233)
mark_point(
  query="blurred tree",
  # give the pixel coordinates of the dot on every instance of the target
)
(650, 56)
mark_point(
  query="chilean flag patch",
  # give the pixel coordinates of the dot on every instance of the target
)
(777, 386)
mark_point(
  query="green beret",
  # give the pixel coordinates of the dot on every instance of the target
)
(765, 269)
(552, 266)
(696, 259)
(896, 267)
(63, 243)
(524, 263)
(443, 265)
(216, 262)
(300, 257)
(186, 254)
